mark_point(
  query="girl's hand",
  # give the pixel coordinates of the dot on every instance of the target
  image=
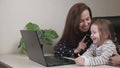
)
(79, 61)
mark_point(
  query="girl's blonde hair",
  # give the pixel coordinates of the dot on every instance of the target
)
(105, 28)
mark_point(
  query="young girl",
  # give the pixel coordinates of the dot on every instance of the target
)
(103, 47)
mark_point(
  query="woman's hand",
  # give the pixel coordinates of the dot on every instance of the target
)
(114, 60)
(79, 60)
(81, 46)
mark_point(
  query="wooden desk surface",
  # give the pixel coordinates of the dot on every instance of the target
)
(22, 61)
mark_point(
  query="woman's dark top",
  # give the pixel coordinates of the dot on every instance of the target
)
(63, 49)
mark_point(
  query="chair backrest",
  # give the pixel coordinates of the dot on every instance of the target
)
(116, 23)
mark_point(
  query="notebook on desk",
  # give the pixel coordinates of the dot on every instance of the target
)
(35, 52)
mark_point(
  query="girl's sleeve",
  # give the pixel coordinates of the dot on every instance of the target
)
(89, 52)
(106, 52)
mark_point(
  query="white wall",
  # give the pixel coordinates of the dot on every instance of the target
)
(14, 14)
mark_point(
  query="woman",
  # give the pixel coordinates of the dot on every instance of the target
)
(76, 29)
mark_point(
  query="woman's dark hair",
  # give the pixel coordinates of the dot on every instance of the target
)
(71, 31)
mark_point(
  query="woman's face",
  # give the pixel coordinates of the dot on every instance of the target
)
(85, 21)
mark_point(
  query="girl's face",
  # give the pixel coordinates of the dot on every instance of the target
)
(85, 21)
(95, 34)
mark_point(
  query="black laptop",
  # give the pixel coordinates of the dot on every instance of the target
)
(35, 52)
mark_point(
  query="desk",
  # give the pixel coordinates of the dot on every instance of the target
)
(22, 61)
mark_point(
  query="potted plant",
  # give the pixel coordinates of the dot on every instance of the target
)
(46, 36)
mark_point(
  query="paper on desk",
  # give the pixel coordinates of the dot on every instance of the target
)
(70, 58)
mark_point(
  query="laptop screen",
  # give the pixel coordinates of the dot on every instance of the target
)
(35, 52)
(33, 46)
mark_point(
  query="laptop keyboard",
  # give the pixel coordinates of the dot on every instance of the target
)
(52, 60)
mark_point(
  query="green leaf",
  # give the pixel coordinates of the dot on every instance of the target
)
(51, 34)
(23, 49)
(31, 26)
(45, 36)
(22, 46)
(45, 41)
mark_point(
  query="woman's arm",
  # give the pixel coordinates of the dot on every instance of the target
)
(81, 46)
(62, 50)
(115, 60)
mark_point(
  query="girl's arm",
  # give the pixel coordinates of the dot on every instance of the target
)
(105, 53)
(82, 60)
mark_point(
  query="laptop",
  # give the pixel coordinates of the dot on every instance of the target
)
(35, 52)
